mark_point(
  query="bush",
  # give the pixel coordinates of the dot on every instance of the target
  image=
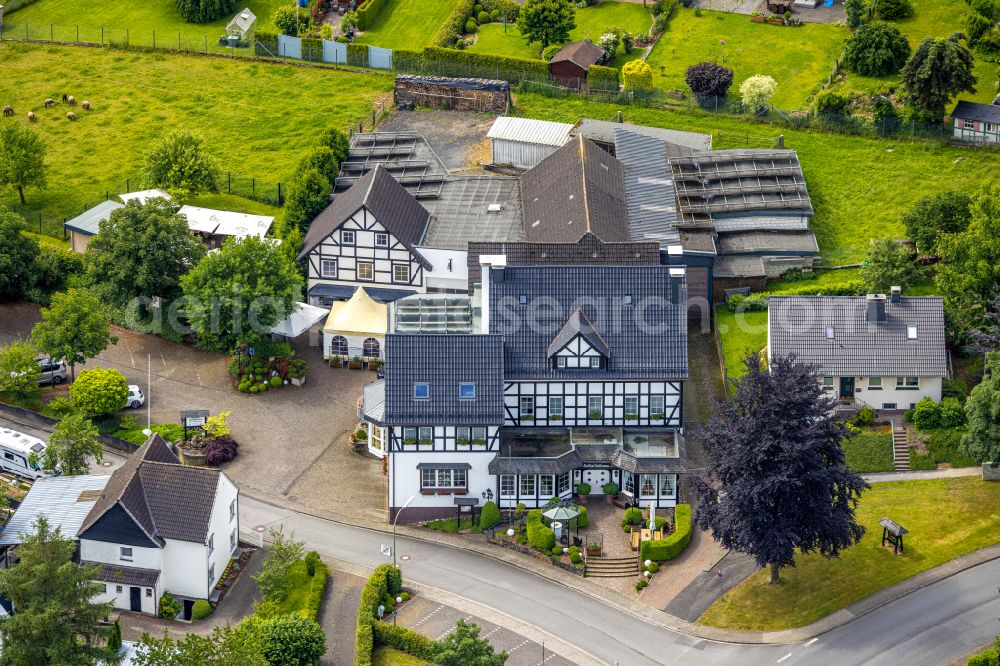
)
(583, 489)
(489, 516)
(989, 658)
(539, 536)
(876, 49)
(633, 516)
(653, 567)
(286, 20)
(976, 25)
(673, 545)
(204, 11)
(752, 303)
(483, 18)
(98, 391)
(556, 551)
(275, 381)
(641, 585)
(170, 608)
(453, 25)
(602, 78)
(832, 103)
(927, 414)
(220, 450)
(637, 75)
(550, 51)
(583, 519)
(708, 80)
(471, 27)
(495, 15)
(323, 160)
(311, 559)
(200, 610)
(893, 10)
(756, 93)
(288, 640)
(864, 418)
(610, 488)
(952, 413)
(575, 558)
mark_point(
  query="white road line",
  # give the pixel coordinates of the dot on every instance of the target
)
(785, 657)
(811, 642)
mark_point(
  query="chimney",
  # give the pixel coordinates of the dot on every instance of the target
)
(895, 294)
(618, 118)
(488, 263)
(875, 308)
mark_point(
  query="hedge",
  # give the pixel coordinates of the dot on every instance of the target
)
(312, 49)
(673, 545)
(357, 55)
(539, 536)
(407, 61)
(484, 65)
(454, 24)
(601, 78)
(368, 12)
(266, 43)
(508, 8)
(385, 580)
(316, 591)
(403, 639)
(364, 644)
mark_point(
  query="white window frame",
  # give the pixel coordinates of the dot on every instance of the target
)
(526, 406)
(828, 382)
(421, 388)
(874, 383)
(463, 391)
(595, 362)
(463, 432)
(125, 553)
(657, 401)
(907, 383)
(425, 433)
(211, 543)
(396, 275)
(444, 479)
(381, 239)
(555, 406)
(651, 478)
(232, 510)
(911, 332)
(546, 485)
(370, 270)
(508, 485)
(628, 482)
(560, 362)
(407, 430)
(480, 432)
(591, 401)
(348, 237)
(632, 405)
(526, 485)
(325, 270)
(672, 480)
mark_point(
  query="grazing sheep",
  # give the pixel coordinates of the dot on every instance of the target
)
(64, 97)
(85, 104)
(8, 111)
(31, 116)
(71, 115)
(49, 103)
(71, 100)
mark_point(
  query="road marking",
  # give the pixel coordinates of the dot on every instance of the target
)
(811, 642)
(785, 657)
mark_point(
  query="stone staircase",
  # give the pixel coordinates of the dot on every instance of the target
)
(900, 448)
(612, 567)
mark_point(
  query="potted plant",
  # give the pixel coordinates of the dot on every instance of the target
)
(478, 441)
(359, 438)
(374, 364)
(527, 418)
(297, 371)
(594, 549)
(776, 19)
(409, 440)
(594, 416)
(355, 363)
(788, 15)
(555, 417)
(426, 440)
(757, 17)
(582, 490)
(610, 491)
(656, 416)
(461, 441)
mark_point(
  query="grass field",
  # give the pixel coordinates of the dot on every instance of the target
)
(797, 58)
(141, 19)
(740, 333)
(257, 119)
(859, 186)
(297, 600)
(407, 24)
(869, 451)
(387, 656)
(946, 518)
(591, 23)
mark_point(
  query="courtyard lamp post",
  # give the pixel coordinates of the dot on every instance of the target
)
(395, 518)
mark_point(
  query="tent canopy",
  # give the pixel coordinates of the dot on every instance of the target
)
(299, 321)
(361, 314)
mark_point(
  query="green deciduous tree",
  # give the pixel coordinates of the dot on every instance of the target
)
(73, 443)
(22, 158)
(73, 328)
(287, 640)
(56, 620)
(892, 10)
(969, 276)
(889, 264)
(307, 196)
(546, 21)
(142, 251)
(934, 215)
(180, 164)
(286, 19)
(324, 160)
(224, 647)
(855, 10)
(240, 292)
(99, 391)
(17, 257)
(757, 92)
(464, 647)
(203, 11)
(337, 141)
(876, 49)
(937, 71)
(274, 579)
(982, 409)
(19, 372)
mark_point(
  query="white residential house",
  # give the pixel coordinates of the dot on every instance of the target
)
(160, 526)
(884, 352)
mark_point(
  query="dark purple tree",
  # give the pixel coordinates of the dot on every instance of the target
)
(708, 80)
(776, 481)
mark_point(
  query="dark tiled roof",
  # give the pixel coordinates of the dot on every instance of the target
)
(118, 575)
(578, 188)
(587, 250)
(343, 292)
(768, 242)
(630, 463)
(646, 340)
(517, 465)
(584, 54)
(443, 361)
(987, 113)
(797, 325)
(578, 324)
(395, 208)
(165, 499)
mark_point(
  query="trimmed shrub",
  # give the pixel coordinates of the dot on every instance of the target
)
(357, 55)
(637, 75)
(576, 558)
(633, 516)
(403, 639)
(892, 10)
(483, 18)
(368, 12)
(876, 49)
(927, 414)
(477, 8)
(489, 516)
(952, 413)
(556, 551)
(312, 49)
(494, 15)
(600, 77)
(539, 536)
(673, 545)
(583, 519)
(583, 489)
(364, 644)
(200, 610)
(708, 80)
(316, 590)
(653, 567)
(311, 559)
(453, 25)
(832, 103)
(471, 27)
(170, 608)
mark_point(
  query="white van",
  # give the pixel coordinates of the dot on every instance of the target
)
(15, 453)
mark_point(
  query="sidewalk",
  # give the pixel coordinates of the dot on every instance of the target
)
(922, 475)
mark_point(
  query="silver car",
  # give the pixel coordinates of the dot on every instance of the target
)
(52, 371)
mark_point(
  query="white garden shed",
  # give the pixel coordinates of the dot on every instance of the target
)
(524, 142)
(243, 24)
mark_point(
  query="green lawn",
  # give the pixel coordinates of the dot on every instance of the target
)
(591, 23)
(945, 518)
(740, 333)
(258, 119)
(797, 58)
(298, 599)
(387, 656)
(869, 451)
(141, 19)
(407, 24)
(859, 186)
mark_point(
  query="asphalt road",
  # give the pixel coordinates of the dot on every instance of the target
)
(927, 627)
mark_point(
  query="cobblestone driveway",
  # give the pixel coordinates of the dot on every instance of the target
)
(293, 442)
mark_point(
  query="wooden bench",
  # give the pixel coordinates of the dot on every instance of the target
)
(635, 539)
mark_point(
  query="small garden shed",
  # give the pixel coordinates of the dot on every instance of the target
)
(569, 66)
(243, 25)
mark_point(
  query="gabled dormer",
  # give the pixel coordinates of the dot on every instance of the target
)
(578, 345)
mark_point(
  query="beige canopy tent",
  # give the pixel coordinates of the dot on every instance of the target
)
(356, 327)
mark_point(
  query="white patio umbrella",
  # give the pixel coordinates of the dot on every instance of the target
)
(563, 514)
(652, 517)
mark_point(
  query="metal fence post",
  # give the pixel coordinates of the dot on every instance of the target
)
(77, 34)
(253, 187)
(229, 181)
(154, 39)
(51, 33)
(178, 41)
(102, 35)
(206, 43)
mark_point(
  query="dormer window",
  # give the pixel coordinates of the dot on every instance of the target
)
(595, 361)
(830, 333)
(421, 391)
(911, 332)
(628, 299)
(560, 362)
(467, 391)
(522, 299)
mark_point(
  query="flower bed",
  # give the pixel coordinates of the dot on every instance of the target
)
(259, 374)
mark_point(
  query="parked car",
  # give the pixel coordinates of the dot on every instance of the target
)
(135, 397)
(52, 371)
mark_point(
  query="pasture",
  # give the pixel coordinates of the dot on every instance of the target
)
(407, 24)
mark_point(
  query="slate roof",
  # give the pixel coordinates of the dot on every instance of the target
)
(118, 575)
(166, 500)
(797, 325)
(645, 342)
(604, 131)
(584, 53)
(395, 208)
(443, 361)
(578, 324)
(984, 113)
(576, 189)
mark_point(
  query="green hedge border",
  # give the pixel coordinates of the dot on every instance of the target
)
(600, 77)
(315, 599)
(454, 25)
(386, 579)
(368, 12)
(667, 549)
